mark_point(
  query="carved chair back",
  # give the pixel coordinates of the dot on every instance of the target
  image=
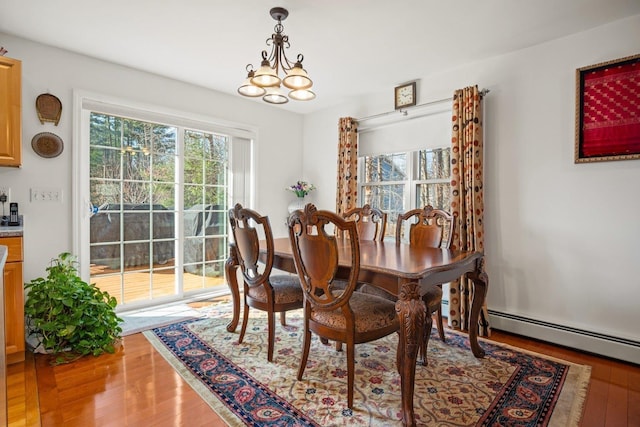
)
(315, 252)
(371, 222)
(249, 229)
(428, 227)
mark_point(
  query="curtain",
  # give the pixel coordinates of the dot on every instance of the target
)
(347, 187)
(467, 199)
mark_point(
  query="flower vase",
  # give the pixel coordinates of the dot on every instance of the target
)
(297, 203)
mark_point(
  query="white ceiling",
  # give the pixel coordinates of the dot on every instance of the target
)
(351, 47)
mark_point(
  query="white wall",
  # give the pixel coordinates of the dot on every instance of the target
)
(561, 239)
(48, 226)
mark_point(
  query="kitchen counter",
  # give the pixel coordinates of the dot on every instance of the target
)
(11, 231)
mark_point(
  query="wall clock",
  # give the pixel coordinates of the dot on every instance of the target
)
(405, 95)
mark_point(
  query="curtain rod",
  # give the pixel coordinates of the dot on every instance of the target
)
(483, 92)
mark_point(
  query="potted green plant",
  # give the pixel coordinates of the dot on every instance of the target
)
(68, 317)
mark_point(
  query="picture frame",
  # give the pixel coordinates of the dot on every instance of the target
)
(608, 111)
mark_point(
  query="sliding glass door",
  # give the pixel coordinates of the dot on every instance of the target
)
(158, 197)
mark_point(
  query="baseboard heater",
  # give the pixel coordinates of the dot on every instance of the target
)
(580, 339)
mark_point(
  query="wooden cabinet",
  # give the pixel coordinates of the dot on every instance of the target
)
(13, 300)
(10, 112)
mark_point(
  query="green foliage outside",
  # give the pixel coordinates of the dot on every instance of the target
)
(134, 162)
(70, 317)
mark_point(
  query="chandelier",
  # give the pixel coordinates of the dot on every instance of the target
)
(266, 82)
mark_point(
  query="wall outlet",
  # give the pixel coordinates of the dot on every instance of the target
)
(7, 191)
(46, 195)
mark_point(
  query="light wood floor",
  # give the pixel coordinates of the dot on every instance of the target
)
(137, 387)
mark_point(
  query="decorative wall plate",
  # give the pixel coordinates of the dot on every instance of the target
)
(47, 145)
(49, 108)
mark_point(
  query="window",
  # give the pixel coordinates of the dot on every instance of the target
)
(399, 182)
(159, 187)
(433, 180)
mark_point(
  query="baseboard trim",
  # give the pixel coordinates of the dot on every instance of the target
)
(580, 339)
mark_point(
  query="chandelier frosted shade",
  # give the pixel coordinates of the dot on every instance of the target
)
(266, 81)
(297, 78)
(302, 95)
(275, 96)
(249, 89)
(266, 76)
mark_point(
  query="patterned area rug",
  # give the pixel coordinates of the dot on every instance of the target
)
(509, 386)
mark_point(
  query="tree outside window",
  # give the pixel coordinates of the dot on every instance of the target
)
(398, 182)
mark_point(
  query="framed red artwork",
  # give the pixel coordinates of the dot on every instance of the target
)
(608, 111)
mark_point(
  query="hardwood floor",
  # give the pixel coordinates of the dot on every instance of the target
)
(22, 394)
(137, 387)
(613, 398)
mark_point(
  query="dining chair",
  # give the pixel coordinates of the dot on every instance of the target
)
(433, 228)
(340, 315)
(262, 289)
(371, 222)
(427, 227)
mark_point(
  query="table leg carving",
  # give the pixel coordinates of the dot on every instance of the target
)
(411, 315)
(426, 334)
(231, 267)
(480, 281)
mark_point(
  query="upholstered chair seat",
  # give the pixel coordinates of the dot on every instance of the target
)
(286, 289)
(373, 312)
(432, 300)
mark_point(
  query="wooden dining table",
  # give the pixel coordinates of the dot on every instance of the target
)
(403, 270)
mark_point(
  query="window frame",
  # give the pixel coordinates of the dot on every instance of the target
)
(410, 190)
(243, 165)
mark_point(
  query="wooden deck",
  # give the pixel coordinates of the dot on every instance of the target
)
(136, 286)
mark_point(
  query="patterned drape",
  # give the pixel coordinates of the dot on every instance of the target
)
(467, 199)
(347, 187)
